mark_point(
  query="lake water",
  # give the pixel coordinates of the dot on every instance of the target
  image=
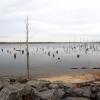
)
(49, 59)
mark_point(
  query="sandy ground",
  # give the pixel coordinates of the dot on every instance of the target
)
(74, 78)
(68, 78)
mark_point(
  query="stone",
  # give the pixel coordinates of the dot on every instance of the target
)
(22, 80)
(1, 85)
(19, 92)
(75, 98)
(86, 92)
(9, 93)
(69, 85)
(60, 93)
(29, 93)
(6, 82)
(38, 84)
(53, 86)
(43, 89)
(98, 96)
(48, 95)
(94, 89)
(78, 92)
(12, 80)
(82, 92)
(68, 91)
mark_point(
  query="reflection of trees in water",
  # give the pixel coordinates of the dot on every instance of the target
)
(15, 56)
(22, 51)
(28, 73)
(55, 52)
(53, 55)
(2, 50)
(49, 53)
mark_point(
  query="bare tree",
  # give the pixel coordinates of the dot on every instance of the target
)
(27, 47)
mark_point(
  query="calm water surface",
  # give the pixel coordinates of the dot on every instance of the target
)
(49, 59)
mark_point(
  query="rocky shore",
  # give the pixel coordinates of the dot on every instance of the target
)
(14, 89)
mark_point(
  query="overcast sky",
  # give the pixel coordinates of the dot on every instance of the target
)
(50, 20)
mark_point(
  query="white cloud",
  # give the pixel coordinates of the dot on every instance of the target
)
(49, 17)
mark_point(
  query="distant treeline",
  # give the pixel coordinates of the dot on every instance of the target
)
(42, 42)
(25, 42)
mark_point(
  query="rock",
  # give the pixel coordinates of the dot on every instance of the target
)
(69, 85)
(38, 84)
(93, 96)
(97, 83)
(60, 93)
(98, 89)
(9, 93)
(98, 96)
(43, 89)
(22, 80)
(78, 92)
(53, 86)
(12, 80)
(86, 92)
(29, 93)
(59, 84)
(94, 89)
(28, 89)
(5, 82)
(75, 98)
(68, 90)
(19, 92)
(81, 85)
(1, 85)
(49, 95)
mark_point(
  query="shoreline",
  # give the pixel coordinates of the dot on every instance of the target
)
(66, 78)
(23, 89)
(73, 78)
(64, 87)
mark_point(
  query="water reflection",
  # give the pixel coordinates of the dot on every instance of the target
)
(2, 50)
(49, 53)
(57, 51)
(28, 67)
(14, 56)
(43, 58)
(22, 51)
(53, 55)
(78, 55)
